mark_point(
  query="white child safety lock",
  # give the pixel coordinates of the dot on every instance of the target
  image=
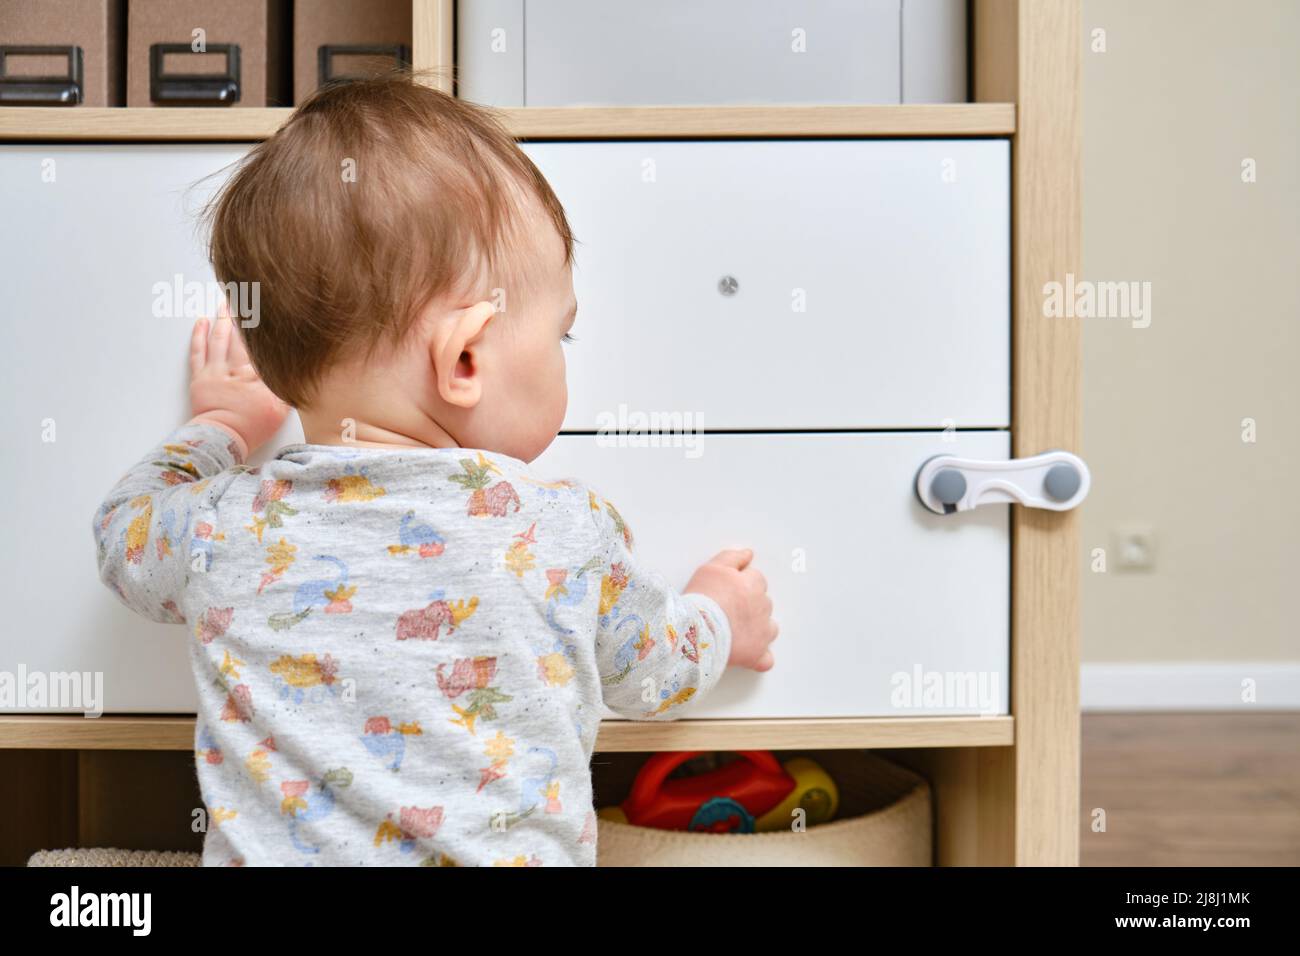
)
(1055, 480)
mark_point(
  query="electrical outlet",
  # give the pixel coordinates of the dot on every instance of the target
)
(1135, 548)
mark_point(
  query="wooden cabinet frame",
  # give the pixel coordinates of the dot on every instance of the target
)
(1006, 788)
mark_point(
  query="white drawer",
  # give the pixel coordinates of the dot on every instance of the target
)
(82, 255)
(872, 291)
(876, 597)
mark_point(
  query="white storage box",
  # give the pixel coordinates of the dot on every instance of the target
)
(688, 52)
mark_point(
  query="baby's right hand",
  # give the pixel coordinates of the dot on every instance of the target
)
(741, 592)
(226, 391)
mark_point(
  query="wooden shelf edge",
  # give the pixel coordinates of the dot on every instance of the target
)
(739, 122)
(810, 733)
(121, 124)
(73, 732)
(84, 124)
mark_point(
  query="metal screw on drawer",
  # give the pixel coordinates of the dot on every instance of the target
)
(728, 285)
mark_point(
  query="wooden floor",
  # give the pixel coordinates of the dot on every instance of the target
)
(1191, 789)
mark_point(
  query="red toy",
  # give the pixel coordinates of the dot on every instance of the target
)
(747, 795)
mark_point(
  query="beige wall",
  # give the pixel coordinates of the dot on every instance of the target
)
(1184, 92)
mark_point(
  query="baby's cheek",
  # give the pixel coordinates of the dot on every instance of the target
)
(564, 385)
(559, 401)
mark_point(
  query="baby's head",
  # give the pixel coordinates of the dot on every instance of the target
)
(413, 268)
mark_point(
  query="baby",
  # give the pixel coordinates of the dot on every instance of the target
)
(401, 637)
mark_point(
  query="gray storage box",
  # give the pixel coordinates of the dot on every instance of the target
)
(710, 52)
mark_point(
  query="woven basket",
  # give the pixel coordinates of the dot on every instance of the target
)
(110, 857)
(883, 820)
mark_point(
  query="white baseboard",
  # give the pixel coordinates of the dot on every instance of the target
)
(1215, 685)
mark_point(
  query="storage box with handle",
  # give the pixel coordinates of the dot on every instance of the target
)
(336, 40)
(213, 53)
(61, 52)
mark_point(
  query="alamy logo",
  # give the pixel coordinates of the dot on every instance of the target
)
(103, 909)
(919, 689)
(1083, 299)
(179, 299)
(56, 690)
(629, 428)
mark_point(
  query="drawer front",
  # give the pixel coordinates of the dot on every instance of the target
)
(871, 281)
(98, 351)
(885, 609)
(117, 224)
(679, 52)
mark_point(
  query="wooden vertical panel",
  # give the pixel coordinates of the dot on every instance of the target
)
(955, 801)
(995, 783)
(1045, 415)
(38, 803)
(973, 801)
(138, 800)
(433, 39)
(1029, 52)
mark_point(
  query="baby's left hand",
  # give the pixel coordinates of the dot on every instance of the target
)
(225, 389)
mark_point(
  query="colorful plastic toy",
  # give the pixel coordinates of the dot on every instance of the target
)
(756, 794)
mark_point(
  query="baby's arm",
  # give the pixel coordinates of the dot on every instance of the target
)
(150, 528)
(658, 649)
(149, 531)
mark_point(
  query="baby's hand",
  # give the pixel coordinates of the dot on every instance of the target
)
(741, 592)
(225, 389)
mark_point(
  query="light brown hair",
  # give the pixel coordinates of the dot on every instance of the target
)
(434, 207)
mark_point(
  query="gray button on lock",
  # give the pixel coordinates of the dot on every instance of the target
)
(728, 285)
(949, 486)
(1062, 482)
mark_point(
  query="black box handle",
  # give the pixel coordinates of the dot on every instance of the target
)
(400, 53)
(194, 89)
(61, 90)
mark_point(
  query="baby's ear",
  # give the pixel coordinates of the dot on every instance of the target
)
(455, 349)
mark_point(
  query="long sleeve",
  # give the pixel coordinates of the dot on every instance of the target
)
(656, 649)
(150, 532)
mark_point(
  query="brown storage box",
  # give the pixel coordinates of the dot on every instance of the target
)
(95, 27)
(382, 28)
(884, 819)
(257, 28)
